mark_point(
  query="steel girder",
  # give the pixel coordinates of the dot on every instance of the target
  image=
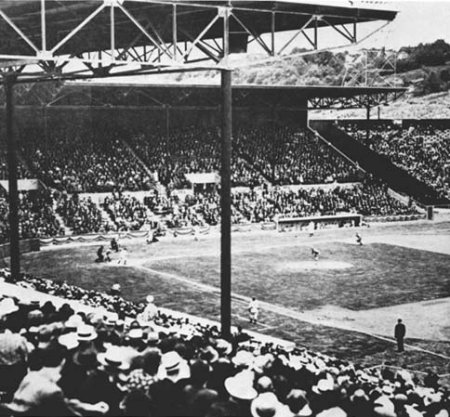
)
(50, 39)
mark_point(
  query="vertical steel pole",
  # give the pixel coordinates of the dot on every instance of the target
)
(174, 31)
(225, 203)
(272, 33)
(9, 81)
(367, 125)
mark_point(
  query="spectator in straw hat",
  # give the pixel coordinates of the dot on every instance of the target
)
(268, 405)
(113, 369)
(14, 351)
(150, 311)
(241, 392)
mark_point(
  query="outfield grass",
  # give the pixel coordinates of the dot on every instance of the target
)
(382, 275)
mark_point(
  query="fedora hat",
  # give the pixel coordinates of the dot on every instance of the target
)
(111, 319)
(267, 405)
(86, 333)
(240, 386)
(69, 340)
(74, 321)
(243, 358)
(113, 358)
(174, 367)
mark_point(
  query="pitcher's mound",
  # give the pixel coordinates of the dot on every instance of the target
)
(314, 265)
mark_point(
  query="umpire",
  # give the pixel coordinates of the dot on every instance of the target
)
(399, 334)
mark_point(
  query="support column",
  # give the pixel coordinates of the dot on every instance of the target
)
(367, 125)
(9, 81)
(225, 203)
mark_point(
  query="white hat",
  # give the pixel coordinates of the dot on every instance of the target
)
(69, 340)
(111, 319)
(333, 412)
(136, 334)
(240, 386)
(113, 358)
(266, 404)
(174, 367)
(7, 306)
(86, 333)
(323, 385)
(74, 321)
(243, 358)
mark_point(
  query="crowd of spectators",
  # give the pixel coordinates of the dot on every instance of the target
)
(270, 153)
(127, 212)
(423, 151)
(293, 156)
(189, 150)
(80, 162)
(368, 199)
(22, 171)
(36, 216)
(82, 215)
(137, 361)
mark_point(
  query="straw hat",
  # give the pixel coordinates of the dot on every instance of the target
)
(333, 412)
(86, 333)
(174, 367)
(113, 358)
(69, 340)
(240, 386)
(7, 306)
(243, 358)
(267, 405)
(74, 321)
(111, 319)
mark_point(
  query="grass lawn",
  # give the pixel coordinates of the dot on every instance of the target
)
(382, 275)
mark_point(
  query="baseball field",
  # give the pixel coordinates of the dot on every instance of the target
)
(346, 303)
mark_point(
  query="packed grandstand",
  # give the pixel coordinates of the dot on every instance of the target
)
(296, 173)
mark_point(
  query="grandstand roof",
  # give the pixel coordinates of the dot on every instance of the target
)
(243, 95)
(103, 34)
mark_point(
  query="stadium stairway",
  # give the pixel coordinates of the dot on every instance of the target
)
(378, 165)
(139, 161)
(106, 218)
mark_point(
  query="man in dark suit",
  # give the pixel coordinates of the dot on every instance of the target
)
(399, 334)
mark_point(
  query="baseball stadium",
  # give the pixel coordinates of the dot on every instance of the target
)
(189, 227)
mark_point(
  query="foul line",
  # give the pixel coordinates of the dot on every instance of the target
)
(273, 308)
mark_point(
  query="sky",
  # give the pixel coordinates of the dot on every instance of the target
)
(417, 22)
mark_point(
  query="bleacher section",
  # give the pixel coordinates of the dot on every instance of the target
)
(422, 150)
(114, 357)
(276, 171)
(379, 165)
